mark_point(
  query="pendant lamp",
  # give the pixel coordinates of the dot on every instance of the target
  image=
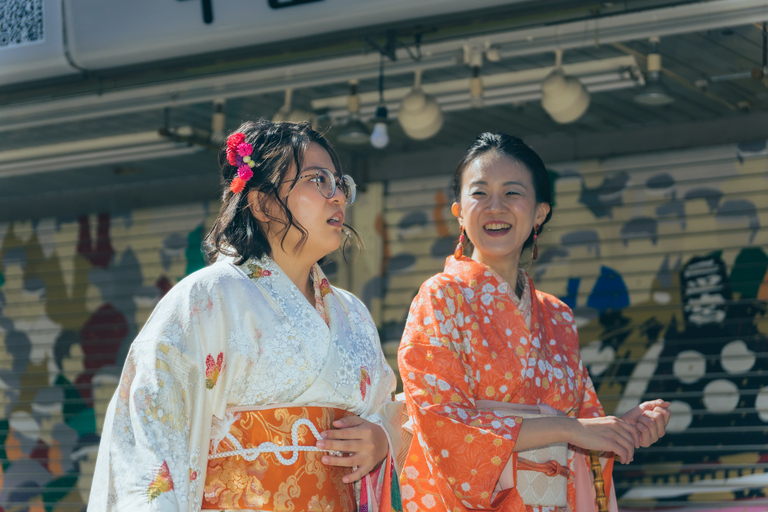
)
(563, 97)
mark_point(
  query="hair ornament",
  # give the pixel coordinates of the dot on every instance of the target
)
(239, 155)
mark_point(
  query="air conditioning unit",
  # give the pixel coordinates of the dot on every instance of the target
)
(100, 34)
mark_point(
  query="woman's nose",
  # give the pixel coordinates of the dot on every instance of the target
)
(338, 196)
(496, 203)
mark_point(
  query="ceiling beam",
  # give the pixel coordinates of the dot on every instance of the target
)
(687, 18)
(569, 147)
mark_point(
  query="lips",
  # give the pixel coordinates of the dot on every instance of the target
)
(337, 220)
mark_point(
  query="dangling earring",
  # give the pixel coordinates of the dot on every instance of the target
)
(535, 253)
(459, 251)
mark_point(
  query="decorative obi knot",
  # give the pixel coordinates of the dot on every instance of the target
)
(549, 468)
(267, 460)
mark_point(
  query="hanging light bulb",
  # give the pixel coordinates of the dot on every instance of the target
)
(420, 115)
(563, 97)
(353, 132)
(379, 136)
(655, 93)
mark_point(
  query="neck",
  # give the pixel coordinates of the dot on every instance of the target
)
(507, 267)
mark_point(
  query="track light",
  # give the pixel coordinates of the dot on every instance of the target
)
(287, 113)
(218, 121)
(474, 58)
(563, 97)
(655, 93)
(353, 132)
(419, 115)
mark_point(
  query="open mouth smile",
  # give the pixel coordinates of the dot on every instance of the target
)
(497, 228)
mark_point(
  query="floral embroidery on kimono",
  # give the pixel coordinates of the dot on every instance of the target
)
(230, 336)
(466, 340)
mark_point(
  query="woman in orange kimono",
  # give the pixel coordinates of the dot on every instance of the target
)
(480, 338)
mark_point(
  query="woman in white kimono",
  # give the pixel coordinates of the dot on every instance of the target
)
(258, 351)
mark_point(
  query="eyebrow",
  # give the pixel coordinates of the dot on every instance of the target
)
(506, 183)
(337, 175)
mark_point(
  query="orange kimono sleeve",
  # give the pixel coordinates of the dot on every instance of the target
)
(462, 449)
(591, 408)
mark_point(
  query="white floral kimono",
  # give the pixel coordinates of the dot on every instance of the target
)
(230, 336)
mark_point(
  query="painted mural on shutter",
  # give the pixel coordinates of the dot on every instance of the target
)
(73, 295)
(663, 258)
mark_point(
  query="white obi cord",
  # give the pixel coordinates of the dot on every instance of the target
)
(251, 454)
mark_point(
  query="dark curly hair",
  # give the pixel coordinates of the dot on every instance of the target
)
(276, 146)
(515, 149)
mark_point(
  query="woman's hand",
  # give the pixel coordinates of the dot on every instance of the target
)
(608, 433)
(365, 442)
(650, 419)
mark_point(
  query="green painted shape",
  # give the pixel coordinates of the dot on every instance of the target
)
(194, 251)
(55, 490)
(2, 278)
(748, 272)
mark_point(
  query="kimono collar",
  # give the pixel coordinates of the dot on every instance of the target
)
(267, 268)
(469, 271)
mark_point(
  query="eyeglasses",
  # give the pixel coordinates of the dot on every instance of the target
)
(326, 184)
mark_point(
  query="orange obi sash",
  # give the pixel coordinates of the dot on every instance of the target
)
(268, 461)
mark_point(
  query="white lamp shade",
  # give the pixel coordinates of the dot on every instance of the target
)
(563, 97)
(420, 115)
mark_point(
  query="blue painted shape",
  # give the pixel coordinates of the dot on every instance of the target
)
(610, 291)
(417, 219)
(443, 246)
(403, 262)
(573, 292)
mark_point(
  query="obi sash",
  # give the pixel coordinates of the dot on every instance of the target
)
(539, 475)
(268, 461)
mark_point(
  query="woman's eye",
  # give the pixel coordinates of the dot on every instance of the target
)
(477, 193)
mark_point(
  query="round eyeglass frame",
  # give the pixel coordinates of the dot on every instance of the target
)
(345, 183)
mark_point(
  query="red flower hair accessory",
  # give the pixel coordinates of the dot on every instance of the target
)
(239, 155)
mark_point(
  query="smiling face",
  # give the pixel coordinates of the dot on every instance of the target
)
(497, 208)
(321, 217)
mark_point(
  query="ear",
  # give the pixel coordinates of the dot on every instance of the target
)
(456, 210)
(254, 204)
(542, 210)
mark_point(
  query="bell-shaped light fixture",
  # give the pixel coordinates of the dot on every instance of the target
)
(655, 93)
(563, 97)
(287, 113)
(420, 115)
(353, 132)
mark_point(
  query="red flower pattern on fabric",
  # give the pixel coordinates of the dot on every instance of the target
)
(213, 369)
(365, 381)
(161, 483)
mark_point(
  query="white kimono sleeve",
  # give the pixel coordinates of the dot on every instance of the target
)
(157, 431)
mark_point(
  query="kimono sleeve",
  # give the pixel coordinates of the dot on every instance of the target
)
(465, 449)
(156, 436)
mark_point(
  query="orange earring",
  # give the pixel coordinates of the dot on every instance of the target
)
(459, 251)
(535, 253)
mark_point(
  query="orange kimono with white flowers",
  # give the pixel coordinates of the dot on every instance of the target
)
(466, 339)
